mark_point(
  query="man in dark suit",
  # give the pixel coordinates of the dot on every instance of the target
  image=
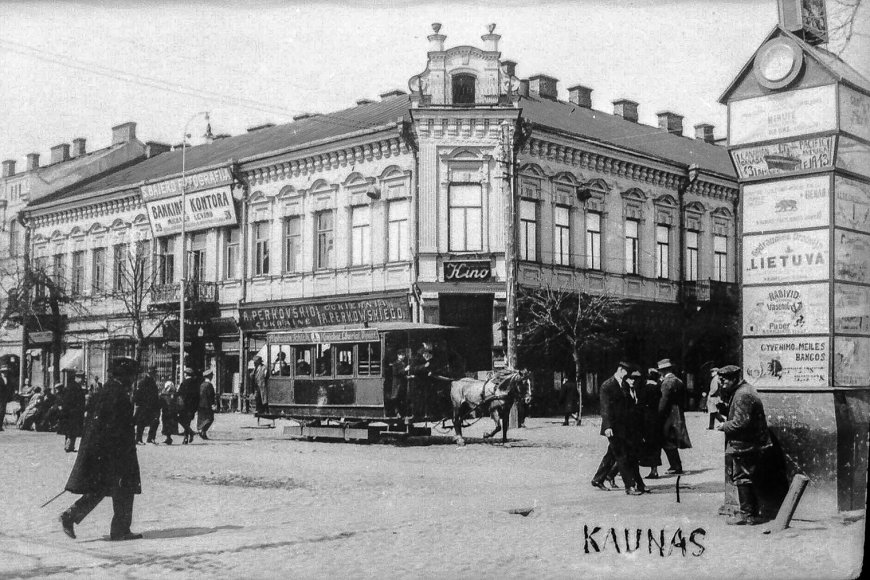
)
(107, 465)
(672, 407)
(7, 387)
(614, 426)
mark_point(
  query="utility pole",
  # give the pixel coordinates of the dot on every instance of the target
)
(510, 246)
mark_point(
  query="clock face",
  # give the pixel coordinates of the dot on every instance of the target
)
(778, 63)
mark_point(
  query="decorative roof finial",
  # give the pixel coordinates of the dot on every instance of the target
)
(436, 26)
(490, 27)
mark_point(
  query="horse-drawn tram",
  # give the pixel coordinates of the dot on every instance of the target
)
(352, 382)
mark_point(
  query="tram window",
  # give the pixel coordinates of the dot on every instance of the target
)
(303, 361)
(369, 359)
(344, 359)
(324, 359)
(279, 354)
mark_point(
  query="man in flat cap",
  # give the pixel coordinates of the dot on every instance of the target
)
(672, 407)
(107, 465)
(746, 440)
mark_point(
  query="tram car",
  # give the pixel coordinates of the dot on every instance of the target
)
(357, 382)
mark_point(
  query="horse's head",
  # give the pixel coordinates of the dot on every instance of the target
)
(519, 385)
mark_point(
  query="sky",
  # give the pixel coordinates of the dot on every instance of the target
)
(75, 69)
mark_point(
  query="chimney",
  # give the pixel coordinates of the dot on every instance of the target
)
(393, 93)
(32, 161)
(524, 88)
(8, 168)
(544, 86)
(580, 96)
(153, 148)
(78, 148)
(436, 41)
(626, 109)
(258, 127)
(123, 133)
(60, 153)
(704, 132)
(490, 39)
(510, 67)
(671, 122)
(361, 102)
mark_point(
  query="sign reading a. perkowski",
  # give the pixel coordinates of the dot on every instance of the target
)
(205, 209)
(288, 317)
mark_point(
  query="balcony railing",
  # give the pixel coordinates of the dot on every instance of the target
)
(169, 295)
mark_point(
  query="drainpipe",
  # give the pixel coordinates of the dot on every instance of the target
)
(243, 253)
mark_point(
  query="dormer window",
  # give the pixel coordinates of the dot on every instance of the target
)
(463, 89)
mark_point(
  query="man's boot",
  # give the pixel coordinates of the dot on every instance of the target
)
(746, 515)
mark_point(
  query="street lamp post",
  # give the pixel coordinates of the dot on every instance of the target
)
(183, 283)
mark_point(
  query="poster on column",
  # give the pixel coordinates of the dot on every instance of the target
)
(851, 309)
(786, 257)
(780, 115)
(852, 204)
(785, 205)
(854, 113)
(851, 361)
(853, 156)
(786, 362)
(786, 158)
(796, 309)
(852, 255)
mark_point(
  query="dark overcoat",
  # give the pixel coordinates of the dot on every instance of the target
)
(188, 392)
(672, 407)
(146, 400)
(72, 414)
(746, 428)
(107, 461)
(648, 401)
(614, 410)
(169, 405)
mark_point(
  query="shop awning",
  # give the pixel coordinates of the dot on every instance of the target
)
(72, 359)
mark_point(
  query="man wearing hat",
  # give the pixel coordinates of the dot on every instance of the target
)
(107, 465)
(146, 407)
(205, 413)
(72, 412)
(188, 392)
(746, 440)
(7, 386)
(672, 407)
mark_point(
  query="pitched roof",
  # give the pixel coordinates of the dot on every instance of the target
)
(240, 147)
(613, 129)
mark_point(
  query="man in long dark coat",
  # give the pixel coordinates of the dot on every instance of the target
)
(188, 392)
(107, 465)
(146, 406)
(72, 413)
(614, 418)
(205, 411)
(8, 385)
(672, 407)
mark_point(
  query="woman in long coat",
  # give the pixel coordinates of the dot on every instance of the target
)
(648, 402)
(72, 414)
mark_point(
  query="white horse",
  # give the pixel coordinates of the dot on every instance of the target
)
(494, 397)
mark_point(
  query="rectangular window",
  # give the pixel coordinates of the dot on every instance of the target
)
(632, 246)
(231, 255)
(325, 239)
(78, 273)
(361, 236)
(292, 245)
(528, 230)
(369, 363)
(466, 218)
(261, 248)
(720, 258)
(344, 359)
(98, 271)
(196, 257)
(167, 260)
(119, 267)
(663, 251)
(593, 240)
(398, 231)
(691, 255)
(562, 236)
(58, 270)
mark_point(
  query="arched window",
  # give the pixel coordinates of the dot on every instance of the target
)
(463, 89)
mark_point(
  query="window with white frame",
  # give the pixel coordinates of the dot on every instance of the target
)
(691, 255)
(98, 271)
(261, 248)
(562, 236)
(720, 258)
(58, 270)
(325, 235)
(632, 246)
(593, 240)
(166, 257)
(361, 235)
(232, 239)
(663, 251)
(77, 280)
(196, 257)
(293, 244)
(397, 231)
(528, 230)
(466, 218)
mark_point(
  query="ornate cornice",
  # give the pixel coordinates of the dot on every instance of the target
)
(129, 202)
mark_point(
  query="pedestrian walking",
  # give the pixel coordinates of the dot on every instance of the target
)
(169, 406)
(72, 412)
(146, 406)
(651, 448)
(631, 389)
(258, 382)
(205, 412)
(746, 440)
(614, 417)
(714, 401)
(188, 393)
(569, 399)
(672, 407)
(8, 386)
(107, 465)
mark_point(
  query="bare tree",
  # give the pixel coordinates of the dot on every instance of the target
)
(847, 20)
(558, 318)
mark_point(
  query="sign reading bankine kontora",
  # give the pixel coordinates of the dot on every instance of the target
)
(209, 208)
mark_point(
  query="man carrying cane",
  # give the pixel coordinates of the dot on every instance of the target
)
(107, 465)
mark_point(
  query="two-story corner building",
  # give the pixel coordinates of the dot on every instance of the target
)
(396, 210)
(68, 165)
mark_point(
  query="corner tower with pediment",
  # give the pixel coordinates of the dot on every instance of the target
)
(463, 107)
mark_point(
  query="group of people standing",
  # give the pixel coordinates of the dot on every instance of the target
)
(175, 407)
(640, 418)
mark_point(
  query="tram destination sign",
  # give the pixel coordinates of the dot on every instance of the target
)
(293, 316)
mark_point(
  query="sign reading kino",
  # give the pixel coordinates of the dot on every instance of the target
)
(806, 234)
(208, 202)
